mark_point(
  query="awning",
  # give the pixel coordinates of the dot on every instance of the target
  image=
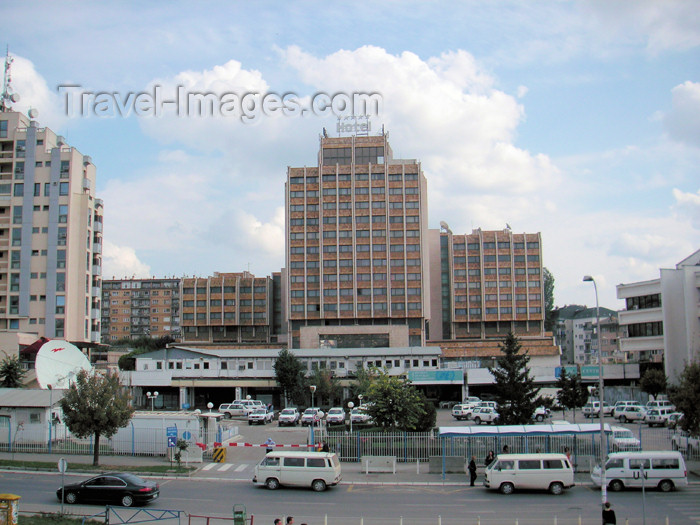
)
(34, 347)
(520, 430)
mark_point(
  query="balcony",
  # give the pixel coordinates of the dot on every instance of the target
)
(96, 247)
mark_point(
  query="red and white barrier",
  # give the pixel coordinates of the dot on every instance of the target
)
(276, 445)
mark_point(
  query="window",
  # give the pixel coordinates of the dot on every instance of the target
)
(529, 464)
(63, 188)
(552, 463)
(19, 189)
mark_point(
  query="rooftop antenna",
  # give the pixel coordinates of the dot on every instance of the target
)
(7, 97)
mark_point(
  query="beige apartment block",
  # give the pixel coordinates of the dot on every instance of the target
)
(134, 308)
(357, 253)
(487, 283)
(50, 236)
(232, 308)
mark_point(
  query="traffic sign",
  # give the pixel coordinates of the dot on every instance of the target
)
(172, 441)
(171, 431)
(62, 465)
(186, 435)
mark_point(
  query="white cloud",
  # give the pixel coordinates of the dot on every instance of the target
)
(122, 262)
(683, 121)
(688, 204)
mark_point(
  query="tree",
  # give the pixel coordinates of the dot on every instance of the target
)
(290, 375)
(96, 405)
(572, 394)
(549, 316)
(140, 345)
(653, 382)
(516, 392)
(686, 396)
(394, 403)
(11, 372)
(327, 387)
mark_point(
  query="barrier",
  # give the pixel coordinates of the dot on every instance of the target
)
(9, 509)
(379, 464)
(276, 445)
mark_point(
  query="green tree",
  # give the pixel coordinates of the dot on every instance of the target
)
(290, 375)
(549, 316)
(327, 387)
(686, 396)
(141, 345)
(572, 393)
(11, 372)
(516, 392)
(96, 405)
(394, 403)
(653, 382)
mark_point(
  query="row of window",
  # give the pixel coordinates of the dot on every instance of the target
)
(497, 297)
(347, 177)
(645, 329)
(361, 307)
(643, 302)
(507, 310)
(224, 289)
(348, 234)
(349, 248)
(505, 245)
(461, 259)
(359, 219)
(225, 315)
(346, 292)
(347, 277)
(18, 190)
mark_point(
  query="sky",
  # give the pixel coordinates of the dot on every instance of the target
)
(579, 120)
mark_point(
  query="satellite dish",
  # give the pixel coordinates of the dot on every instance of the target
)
(14, 97)
(33, 113)
(445, 227)
(58, 363)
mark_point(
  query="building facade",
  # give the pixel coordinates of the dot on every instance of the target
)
(660, 320)
(232, 308)
(134, 308)
(51, 235)
(486, 284)
(357, 252)
(585, 336)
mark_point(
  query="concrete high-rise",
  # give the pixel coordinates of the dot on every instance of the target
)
(356, 247)
(50, 236)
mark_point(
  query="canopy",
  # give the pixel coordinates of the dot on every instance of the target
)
(520, 430)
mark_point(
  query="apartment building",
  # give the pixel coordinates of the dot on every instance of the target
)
(232, 308)
(50, 236)
(134, 308)
(356, 252)
(486, 284)
(585, 336)
(660, 321)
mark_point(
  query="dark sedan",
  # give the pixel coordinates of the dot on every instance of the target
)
(113, 487)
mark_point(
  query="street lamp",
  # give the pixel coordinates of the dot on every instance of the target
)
(152, 397)
(313, 422)
(50, 415)
(601, 396)
(351, 405)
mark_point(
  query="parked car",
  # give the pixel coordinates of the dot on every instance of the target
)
(540, 414)
(686, 443)
(335, 416)
(620, 405)
(592, 409)
(311, 416)
(234, 410)
(459, 412)
(261, 416)
(663, 469)
(623, 439)
(664, 403)
(673, 419)
(359, 416)
(485, 414)
(288, 417)
(552, 472)
(112, 487)
(631, 413)
(657, 416)
(471, 401)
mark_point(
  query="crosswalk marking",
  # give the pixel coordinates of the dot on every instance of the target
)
(241, 467)
(209, 466)
(225, 467)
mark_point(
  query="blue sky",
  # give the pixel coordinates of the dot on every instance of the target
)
(580, 120)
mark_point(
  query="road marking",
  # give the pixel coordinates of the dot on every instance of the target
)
(240, 467)
(225, 467)
(209, 466)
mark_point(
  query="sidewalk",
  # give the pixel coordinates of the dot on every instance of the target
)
(353, 473)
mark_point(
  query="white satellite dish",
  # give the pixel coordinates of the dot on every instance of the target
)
(58, 363)
(33, 113)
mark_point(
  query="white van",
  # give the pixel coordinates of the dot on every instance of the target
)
(317, 470)
(664, 470)
(552, 472)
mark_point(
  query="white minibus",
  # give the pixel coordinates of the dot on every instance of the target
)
(664, 470)
(552, 472)
(316, 470)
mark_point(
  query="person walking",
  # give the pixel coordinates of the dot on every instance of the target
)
(506, 449)
(489, 458)
(269, 444)
(472, 471)
(609, 514)
(277, 521)
(290, 520)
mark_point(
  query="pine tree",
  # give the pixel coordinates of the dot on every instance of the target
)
(516, 392)
(289, 372)
(11, 372)
(572, 394)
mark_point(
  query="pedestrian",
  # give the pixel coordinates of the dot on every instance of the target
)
(489, 458)
(506, 449)
(290, 520)
(472, 471)
(268, 445)
(278, 521)
(325, 447)
(567, 451)
(609, 515)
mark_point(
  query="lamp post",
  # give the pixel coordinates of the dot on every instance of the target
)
(152, 397)
(50, 415)
(313, 422)
(351, 405)
(601, 396)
